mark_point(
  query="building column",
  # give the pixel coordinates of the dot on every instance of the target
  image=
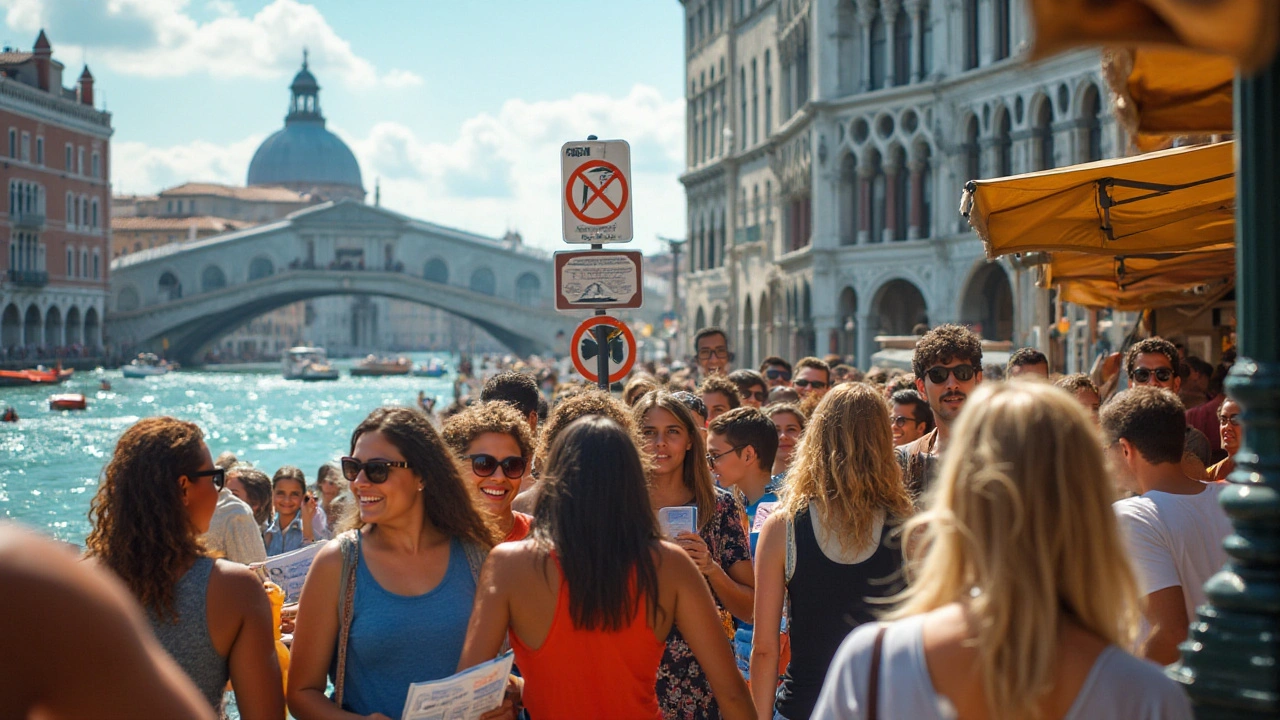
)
(865, 175)
(889, 12)
(891, 201)
(917, 199)
(917, 34)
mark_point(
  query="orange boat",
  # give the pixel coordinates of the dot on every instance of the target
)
(68, 401)
(35, 376)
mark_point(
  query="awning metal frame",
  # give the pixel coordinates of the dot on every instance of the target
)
(1106, 202)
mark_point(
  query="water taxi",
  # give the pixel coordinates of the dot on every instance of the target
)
(146, 365)
(308, 363)
(375, 366)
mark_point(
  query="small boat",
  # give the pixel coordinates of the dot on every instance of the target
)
(146, 365)
(376, 366)
(308, 363)
(10, 415)
(433, 368)
(68, 401)
(35, 376)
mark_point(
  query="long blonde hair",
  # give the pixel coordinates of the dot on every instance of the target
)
(696, 474)
(845, 466)
(1020, 530)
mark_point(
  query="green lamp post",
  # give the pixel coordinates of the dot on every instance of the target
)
(1231, 660)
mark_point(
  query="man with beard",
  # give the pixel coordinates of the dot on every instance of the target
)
(948, 366)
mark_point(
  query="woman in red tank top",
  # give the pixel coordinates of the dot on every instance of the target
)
(590, 598)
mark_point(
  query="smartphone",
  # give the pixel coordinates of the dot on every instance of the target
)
(675, 520)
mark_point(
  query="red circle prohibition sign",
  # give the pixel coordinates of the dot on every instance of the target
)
(589, 373)
(595, 193)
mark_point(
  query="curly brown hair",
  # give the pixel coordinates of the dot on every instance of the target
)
(591, 401)
(724, 386)
(452, 507)
(1151, 346)
(495, 416)
(1075, 383)
(141, 529)
(944, 344)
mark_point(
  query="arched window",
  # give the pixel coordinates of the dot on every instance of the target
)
(711, 244)
(1089, 109)
(970, 34)
(1002, 29)
(436, 271)
(1004, 144)
(972, 162)
(97, 264)
(212, 278)
(879, 41)
(1043, 132)
(901, 47)
(849, 198)
(901, 196)
(483, 282)
(926, 194)
(879, 193)
(528, 290)
(261, 267)
(170, 288)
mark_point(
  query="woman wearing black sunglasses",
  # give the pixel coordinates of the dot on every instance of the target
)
(158, 494)
(386, 604)
(494, 443)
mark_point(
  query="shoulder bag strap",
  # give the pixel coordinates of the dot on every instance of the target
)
(476, 556)
(791, 548)
(350, 545)
(873, 682)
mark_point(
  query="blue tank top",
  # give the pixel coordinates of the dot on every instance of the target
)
(397, 640)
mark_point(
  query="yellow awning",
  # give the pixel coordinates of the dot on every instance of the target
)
(1159, 94)
(1247, 31)
(1169, 201)
(1138, 281)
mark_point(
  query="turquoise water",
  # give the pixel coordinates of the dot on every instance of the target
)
(50, 461)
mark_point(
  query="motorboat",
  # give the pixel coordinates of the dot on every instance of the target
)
(68, 401)
(39, 375)
(375, 366)
(146, 365)
(308, 363)
(433, 368)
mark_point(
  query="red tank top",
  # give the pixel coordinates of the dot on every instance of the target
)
(587, 674)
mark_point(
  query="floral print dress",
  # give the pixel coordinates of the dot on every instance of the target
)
(683, 690)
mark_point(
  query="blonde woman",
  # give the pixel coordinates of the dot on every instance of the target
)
(1022, 599)
(830, 546)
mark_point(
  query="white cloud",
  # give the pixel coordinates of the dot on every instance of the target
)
(160, 38)
(501, 172)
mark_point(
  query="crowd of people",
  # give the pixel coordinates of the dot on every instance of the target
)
(924, 544)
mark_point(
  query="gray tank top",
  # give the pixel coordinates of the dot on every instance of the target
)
(187, 639)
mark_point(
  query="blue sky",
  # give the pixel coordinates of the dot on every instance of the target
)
(458, 107)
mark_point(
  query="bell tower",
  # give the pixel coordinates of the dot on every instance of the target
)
(304, 104)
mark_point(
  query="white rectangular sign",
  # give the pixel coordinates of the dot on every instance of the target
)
(595, 191)
(599, 279)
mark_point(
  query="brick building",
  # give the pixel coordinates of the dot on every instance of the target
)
(54, 229)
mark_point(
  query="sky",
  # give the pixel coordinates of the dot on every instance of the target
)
(457, 109)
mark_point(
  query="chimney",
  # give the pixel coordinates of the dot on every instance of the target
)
(43, 52)
(85, 87)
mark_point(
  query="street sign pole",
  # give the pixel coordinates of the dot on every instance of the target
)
(602, 335)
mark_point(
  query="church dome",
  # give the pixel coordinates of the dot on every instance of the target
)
(304, 155)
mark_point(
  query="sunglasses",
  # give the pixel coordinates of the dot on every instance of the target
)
(901, 420)
(219, 476)
(711, 459)
(1143, 375)
(708, 353)
(486, 465)
(1232, 420)
(815, 384)
(964, 373)
(773, 374)
(376, 471)
(757, 395)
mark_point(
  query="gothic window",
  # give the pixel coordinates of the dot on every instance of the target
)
(878, 49)
(970, 34)
(1092, 124)
(1002, 29)
(901, 48)
(878, 198)
(1043, 132)
(755, 104)
(926, 194)
(972, 162)
(1004, 145)
(768, 95)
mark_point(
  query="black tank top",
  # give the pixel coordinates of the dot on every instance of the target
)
(829, 600)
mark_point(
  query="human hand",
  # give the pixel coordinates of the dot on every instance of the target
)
(696, 548)
(510, 706)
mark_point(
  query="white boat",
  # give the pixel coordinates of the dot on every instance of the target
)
(433, 368)
(308, 363)
(146, 365)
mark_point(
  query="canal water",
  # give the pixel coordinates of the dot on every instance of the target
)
(50, 462)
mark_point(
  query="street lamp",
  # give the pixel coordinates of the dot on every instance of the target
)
(676, 244)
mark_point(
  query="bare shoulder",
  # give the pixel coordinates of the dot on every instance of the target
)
(233, 580)
(514, 562)
(674, 563)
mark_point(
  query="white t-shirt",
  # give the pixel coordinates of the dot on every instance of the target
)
(1175, 540)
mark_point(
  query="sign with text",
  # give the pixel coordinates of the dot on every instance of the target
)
(596, 191)
(599, 279)
(620, 344)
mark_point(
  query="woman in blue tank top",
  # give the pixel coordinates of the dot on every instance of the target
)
(408, 568)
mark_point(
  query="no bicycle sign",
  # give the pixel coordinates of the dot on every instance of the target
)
(596, 191)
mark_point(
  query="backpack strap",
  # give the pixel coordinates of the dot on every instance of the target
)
(791, 548)
(349, 543)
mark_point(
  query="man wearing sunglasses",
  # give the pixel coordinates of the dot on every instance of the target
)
(776, 371)
(1154, 362)
(813, 377)
(948, 366)
(712, 347)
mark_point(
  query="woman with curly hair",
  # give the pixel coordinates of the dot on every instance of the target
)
(1022, 600)
(681, 476)
(157, 495)
(386, 604)
(494, 443)
(829, 546)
